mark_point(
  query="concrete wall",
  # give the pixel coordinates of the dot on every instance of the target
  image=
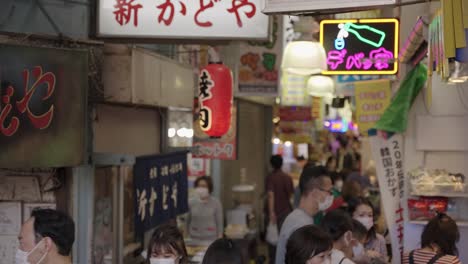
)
(449, 105)
(126, 130)
(72, 17)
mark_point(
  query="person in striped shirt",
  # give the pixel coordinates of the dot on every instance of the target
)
(438, 243)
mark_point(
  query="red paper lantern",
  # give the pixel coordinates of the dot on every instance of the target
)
(215, 96)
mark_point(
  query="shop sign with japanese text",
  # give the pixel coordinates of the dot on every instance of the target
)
(387, 152)
(364, 46)
(43, 106)
(161, 191)
(372, 98)
(259, 64)
(188, 19)
(223, 148)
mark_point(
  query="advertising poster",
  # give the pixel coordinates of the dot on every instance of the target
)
(372, 98)
(260, 63)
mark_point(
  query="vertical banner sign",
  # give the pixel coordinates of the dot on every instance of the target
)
(161, 192)
(259, 64)
(372, 98)
(364, 46)
(388, 156)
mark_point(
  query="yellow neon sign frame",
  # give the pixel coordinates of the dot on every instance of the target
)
(370, 21)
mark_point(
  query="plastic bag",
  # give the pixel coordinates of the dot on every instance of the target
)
(272, 234)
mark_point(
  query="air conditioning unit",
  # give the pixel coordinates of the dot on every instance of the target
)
(310, 6)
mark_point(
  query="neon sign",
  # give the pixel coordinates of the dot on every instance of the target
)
(365, 46)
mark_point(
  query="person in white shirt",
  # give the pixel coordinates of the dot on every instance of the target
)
(339, 225)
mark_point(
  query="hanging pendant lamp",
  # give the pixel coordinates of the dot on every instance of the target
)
(304, 58)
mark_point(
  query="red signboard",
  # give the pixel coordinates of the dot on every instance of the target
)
(223, 148)
(295, 113)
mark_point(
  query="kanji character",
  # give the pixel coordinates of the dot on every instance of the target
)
(206, 84)
(399, 213)
(238, 4)
(205, 118)
(335, 58)
(166, 6)
(152, 199)
(124, 10)
(153, 173)
(11, 129)
(399, 164)
(387, 162)
(203, 8)
(165, 171)
(41, 121)
(381, 58)
(142, 201)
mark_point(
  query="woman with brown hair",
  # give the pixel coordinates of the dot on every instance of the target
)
(167, 246)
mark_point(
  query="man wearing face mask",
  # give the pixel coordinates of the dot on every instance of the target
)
(316, 195)
(46, 238)
(205, 219)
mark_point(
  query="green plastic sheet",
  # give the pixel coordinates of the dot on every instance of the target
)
(395, 117)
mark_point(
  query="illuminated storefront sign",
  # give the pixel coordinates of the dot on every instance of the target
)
(365, 46)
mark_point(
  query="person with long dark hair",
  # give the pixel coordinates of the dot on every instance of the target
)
(223, 251)
(166, 246)
(438, 243)
(363, 211)
(309, 245)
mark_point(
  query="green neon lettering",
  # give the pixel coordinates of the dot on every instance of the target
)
(352, 28)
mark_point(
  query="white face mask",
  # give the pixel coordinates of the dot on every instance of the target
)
(327, 203)
(339, 185)
(21, 256)
(358, 250)
(367, 221)
(162, 261)
(202, 192)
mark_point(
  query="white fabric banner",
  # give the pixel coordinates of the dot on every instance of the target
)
(388, 157)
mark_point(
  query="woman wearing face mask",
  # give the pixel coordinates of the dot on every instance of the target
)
(339, 226)
(205, 219)
(362, 210)
(309, 245)
(166, 246)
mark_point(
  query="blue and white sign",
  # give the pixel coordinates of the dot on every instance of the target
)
(356, 78)
(161, 192)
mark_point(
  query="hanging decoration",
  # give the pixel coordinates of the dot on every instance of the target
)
(215, 96)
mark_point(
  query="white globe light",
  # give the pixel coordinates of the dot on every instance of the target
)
(171, 132)
(320, 86)
(276, 141)
(304, 58)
